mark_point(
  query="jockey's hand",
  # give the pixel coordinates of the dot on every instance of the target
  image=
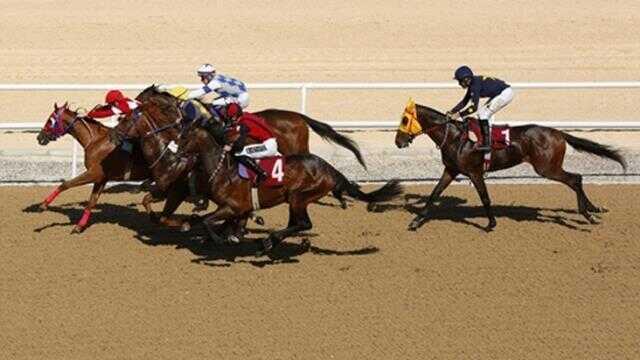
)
(449, 115)
(227, 148)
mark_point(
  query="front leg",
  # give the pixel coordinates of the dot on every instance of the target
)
(447, 177)
(223, 212)
(478, 182)
(86, 177)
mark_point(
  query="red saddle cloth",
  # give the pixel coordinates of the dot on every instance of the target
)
(274, 166)
(500, 134)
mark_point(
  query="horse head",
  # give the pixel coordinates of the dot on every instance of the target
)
(416, 120)
(59, 123)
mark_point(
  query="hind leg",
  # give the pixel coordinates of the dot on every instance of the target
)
(337, 193)
(298, 217)
(574, 181)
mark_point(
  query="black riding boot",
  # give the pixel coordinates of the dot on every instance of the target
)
(251, 164)
(486, 136)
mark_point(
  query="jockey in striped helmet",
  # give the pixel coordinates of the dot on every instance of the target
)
(219, 90)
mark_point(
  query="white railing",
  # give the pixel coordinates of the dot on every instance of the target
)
(306, 87)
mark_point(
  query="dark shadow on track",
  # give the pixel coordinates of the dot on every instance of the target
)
(150, 234)
(452, 208)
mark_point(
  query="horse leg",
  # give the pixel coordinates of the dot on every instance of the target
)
(82, 179)
(481, 188)
(574, 181)
(150, 198)
(298, 217)
(337, 193)
(174, 198)
(447, 177)
(224, 212)
(86, 214)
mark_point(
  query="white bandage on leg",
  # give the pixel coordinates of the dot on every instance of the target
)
(496, 104)
(256, 151)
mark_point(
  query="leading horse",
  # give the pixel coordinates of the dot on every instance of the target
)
(542, 147)
(102, 159)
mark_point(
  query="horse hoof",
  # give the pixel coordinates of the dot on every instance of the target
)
(343, 205)
(259, 220)
(413, 226)
(233, 239)
(305, 245)
(491, 226)
(600, 210)
(77, 230)
(44, 207)
(371, 207)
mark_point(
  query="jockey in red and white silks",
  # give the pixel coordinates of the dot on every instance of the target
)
(219, 90)
(116, 104)
(254, 127)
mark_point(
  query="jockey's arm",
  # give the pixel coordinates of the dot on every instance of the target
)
(201, 91)
(101, 112)
(462, 103)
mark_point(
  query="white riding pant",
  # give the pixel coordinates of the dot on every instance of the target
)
(488, 109)
(256, 151)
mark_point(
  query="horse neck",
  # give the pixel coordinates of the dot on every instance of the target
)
(209, 152)
(84, 132)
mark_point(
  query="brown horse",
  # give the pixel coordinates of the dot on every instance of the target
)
(291, 129)
(542, 147)
(101, 158)
(307, 178)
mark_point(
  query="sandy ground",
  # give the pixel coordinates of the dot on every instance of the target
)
(543, 285)
(128, 42)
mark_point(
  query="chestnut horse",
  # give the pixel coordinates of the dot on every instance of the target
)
(103, 161)
(542, 147)
(307, 178)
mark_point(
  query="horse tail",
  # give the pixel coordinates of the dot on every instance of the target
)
(592, 147)
(387, 192)
(326, 132)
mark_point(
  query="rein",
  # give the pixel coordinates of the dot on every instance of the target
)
(218, 166)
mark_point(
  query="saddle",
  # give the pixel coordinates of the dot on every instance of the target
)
(274, 166)
(500, 134)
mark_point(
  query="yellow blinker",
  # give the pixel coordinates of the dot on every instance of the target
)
(411, 126)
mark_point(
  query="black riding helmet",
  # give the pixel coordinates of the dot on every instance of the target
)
(462, 73)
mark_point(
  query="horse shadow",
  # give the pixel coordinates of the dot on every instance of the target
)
(453, 208)
(196, 240)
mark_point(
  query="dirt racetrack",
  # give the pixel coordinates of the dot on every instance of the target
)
(544, 285)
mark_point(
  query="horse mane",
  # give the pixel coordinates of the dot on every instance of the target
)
(437, 115)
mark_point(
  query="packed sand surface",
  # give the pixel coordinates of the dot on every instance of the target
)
(543, 285)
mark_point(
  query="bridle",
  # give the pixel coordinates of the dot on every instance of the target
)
(58, 131)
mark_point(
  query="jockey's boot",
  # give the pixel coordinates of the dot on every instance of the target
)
(261, 175)
(486, 136)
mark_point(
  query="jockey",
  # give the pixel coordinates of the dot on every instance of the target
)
(499, 93)
(116, 104)
(247, 124)
(219, 91)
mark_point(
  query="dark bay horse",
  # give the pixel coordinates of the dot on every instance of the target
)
(542, 147)
(290, 128)
(307, 178)
(103, 161)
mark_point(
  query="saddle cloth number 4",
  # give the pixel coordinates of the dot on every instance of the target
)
(277, 172)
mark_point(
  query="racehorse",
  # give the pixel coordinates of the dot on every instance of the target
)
(290, 128)
(103, 161)
(306, 179)
(542, 147)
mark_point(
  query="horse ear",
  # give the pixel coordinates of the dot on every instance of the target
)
(66, 103)
(55, 105)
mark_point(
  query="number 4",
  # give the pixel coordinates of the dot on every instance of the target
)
(277, 172)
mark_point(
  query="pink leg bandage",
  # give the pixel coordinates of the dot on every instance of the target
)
(52, 196)
(86, 214)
